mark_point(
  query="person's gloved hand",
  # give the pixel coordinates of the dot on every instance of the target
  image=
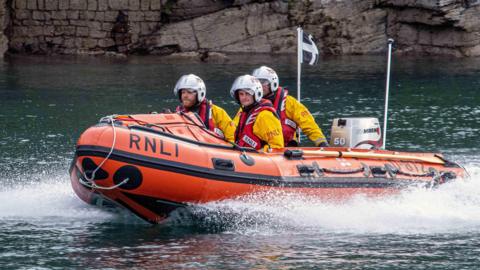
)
(321, 143)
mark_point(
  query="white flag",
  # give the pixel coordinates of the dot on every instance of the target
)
(306, 52)
(309, 50)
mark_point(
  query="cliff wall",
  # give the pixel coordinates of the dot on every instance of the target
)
(4, 20)
(203, 27)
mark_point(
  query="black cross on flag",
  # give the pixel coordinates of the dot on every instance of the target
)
(309, 50)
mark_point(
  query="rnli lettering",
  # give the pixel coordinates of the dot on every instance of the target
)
(290, 123)
(250, 141)
(409, 166)
(153, 145)
(134, 139)
(273, 133)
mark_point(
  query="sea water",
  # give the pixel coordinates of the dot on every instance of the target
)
(46, 104)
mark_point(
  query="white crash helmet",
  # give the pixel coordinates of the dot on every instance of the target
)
(269, 74)
(249, 83)
(191, 81)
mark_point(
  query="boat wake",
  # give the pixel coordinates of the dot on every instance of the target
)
(47, 200)
(451, 208)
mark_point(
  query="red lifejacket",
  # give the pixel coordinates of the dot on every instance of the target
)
(205, 114)
(289, 127)
(244, 136)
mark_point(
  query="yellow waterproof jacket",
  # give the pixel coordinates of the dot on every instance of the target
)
(297, 112)
(267, 128)
(223, 122)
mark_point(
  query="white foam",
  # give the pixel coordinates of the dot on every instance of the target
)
(451, 208)
(53, 197)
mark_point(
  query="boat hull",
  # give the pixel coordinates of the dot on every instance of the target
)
(152, 172)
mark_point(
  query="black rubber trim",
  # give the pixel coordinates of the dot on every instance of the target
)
(448, 163)
(160, 207)
(244, 178)
(124, 204)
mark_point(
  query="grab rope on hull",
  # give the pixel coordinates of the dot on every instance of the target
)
(90, 181)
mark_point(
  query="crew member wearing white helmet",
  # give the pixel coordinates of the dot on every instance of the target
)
(292, 113)
(257, 124)
(191, 91)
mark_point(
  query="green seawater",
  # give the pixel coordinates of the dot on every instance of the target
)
(46, 103)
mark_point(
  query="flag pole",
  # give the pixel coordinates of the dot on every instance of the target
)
(387, 89)
(299, 67)
(299, 60)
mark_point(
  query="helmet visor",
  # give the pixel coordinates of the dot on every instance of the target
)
(264, 81)
(246, 90)
(189, 90)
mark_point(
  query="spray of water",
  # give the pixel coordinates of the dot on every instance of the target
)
(452, 207)
(51, 198)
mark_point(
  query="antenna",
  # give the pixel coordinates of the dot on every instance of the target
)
(387, 89)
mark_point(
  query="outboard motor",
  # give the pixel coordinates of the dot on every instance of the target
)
(356, 132)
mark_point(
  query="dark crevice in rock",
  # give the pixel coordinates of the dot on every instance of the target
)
(176, 11)
(166, 11)
(8, 28)
(166, 50)
(389, 4)
(245, 25)
(195, 35)
(470, 3)
(204, 56)
(140, 50)
(120, 33)
(434, 28)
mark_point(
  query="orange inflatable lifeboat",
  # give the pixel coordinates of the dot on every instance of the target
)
(152, 164)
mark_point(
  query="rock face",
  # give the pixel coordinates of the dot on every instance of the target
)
(435, 27)
(206, 27)
(4, 19)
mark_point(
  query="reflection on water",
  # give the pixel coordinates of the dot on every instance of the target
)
(47, 102)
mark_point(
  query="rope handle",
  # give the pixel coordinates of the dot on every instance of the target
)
(90, 181)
